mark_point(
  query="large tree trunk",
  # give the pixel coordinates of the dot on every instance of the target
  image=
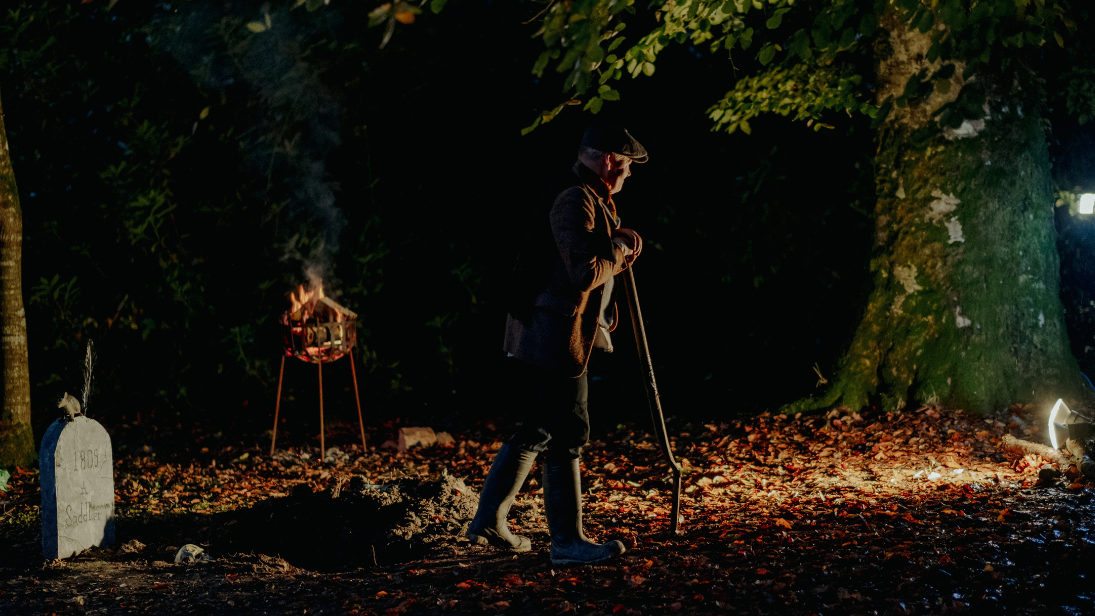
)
(16, 437)
(965, 309)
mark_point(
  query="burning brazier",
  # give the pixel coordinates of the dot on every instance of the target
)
(317, 330)
(77, 474)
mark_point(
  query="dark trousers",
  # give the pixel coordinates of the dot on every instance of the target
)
(554, 411)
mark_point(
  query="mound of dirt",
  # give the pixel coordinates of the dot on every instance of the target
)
(358, 524)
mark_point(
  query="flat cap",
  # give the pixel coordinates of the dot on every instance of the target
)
(611, 138)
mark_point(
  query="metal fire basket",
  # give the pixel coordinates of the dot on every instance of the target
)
(319, 337)
(315, 340)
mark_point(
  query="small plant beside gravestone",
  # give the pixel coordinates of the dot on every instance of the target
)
(77, 475)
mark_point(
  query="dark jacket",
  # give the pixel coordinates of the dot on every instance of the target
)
(557, 333)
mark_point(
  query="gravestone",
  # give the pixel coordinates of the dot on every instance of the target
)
(77, 471)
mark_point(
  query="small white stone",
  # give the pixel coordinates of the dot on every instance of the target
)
(411, 436)
(191, 553)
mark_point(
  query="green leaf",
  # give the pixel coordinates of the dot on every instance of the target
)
(933, 52)
(542, 61)
(745, 128)
(868, 24)
(594, 104)
(621, 6)
(610, 95)
(776, 19)
(437, 5)
(926, 22)
(648, 68)
(619, 27)
(616, 43)
(605, 76)
(528, 129)
(746, 38)
(256, 26)
(847, 37)
(800, 45)
(942, 86)
(766, 54)
(376, 16)
(550, 115)
(694, 9)
(314, 5)
(883, 112)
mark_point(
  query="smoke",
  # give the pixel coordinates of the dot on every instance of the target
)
(316, 273)
(296, 124)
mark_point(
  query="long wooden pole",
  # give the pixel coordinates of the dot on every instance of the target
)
(652, 393)
(357, 397)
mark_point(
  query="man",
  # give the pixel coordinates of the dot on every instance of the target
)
(562, 306)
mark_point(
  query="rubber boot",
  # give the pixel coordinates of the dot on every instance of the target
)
(563, 505)
(504, 480)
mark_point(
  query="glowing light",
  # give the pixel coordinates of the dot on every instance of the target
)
(1053, 415)
(1087, 203)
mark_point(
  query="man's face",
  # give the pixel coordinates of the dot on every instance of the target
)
(616, 171)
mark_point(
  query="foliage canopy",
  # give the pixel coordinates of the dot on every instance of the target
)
(807, 57)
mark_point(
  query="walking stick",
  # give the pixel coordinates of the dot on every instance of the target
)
(652, 393)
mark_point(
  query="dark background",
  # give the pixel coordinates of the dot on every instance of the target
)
(170, 239)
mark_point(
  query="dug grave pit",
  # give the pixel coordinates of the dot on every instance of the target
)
(356, 524)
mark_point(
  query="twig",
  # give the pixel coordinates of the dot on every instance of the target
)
(869, 527)
(544, 10)
(89, 361)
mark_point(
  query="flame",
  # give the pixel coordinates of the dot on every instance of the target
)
(304, 301)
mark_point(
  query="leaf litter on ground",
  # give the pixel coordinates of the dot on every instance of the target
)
(914, 512)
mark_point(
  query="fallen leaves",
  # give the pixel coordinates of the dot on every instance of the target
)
(843, 512)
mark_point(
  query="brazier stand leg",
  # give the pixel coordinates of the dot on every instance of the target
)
(322, 446)
(277, 407)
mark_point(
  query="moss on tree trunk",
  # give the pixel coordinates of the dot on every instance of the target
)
(16, 438)
(965, 310)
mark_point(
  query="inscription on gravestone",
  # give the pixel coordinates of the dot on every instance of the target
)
(77, 487)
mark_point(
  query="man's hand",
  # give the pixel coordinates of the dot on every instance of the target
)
(629, 242)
